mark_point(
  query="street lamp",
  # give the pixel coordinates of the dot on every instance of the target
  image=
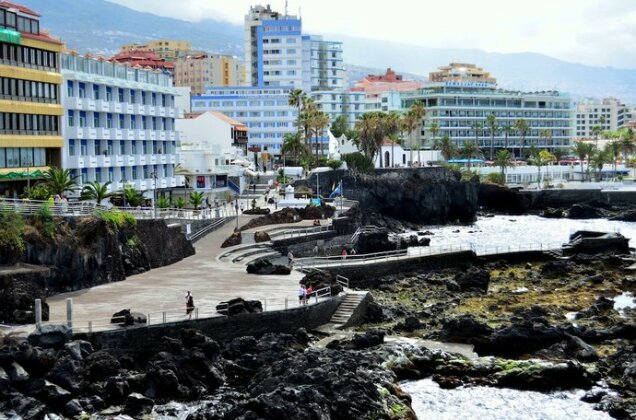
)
(153, 175)
(28, 175)
(236, 208)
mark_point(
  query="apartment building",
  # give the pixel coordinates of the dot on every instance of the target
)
(119, 124)
(207, 70)
(607, 114)
(30, 107)
(167, 49)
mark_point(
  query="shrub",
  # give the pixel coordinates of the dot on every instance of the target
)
(334, 163)
(359, 162)
(163, 202)
(38, 192)
(44, 220)
(496, 178)
(12, 244)
(116, 218)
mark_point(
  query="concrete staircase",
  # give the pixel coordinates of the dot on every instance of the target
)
(344, 312)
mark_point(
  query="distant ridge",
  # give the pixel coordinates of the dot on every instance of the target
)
(100, 27)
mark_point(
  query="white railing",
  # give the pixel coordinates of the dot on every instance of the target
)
(417, 252)
(31, 207)
(80, 325)
(174, 213)
(212, 226)
(342, 280)
(297, 232)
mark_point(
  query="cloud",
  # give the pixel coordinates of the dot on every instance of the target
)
(596, 32)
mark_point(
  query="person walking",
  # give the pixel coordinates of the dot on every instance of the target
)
(189, 304)
(290, 258)
(344, 253)
(308, 292)
(302, 295)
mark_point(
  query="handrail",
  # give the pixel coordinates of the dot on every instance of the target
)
(199, 312)
(299, 231)
(196, 235)
(416, 252)
(342, 280)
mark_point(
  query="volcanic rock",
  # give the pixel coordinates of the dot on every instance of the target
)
(263, 266)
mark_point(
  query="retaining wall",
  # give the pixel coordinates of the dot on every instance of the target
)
(219, 328)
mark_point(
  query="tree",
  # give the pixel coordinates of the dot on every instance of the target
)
(293, 145)
(542, 158)
(508, 130)
(446, 146)
(434, 130)
(546, 134)
(477, 126)
(418, 112)
(627, 143)
(319, 121)
(469, 151)
(392, 126)
(180, 202)
(59, 181)
(503, 160)
(522, 127)
(196, 199)
(296, 98)
(598, 158)
(491, 122)
(368, 126)
(614, 152)
(163, 202)
(133, 197)
(596, 132)
(339, 126)
(558, 154)
(582, 151)
(96, 191)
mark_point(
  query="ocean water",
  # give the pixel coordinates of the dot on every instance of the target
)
(486, 403)
(515, 231)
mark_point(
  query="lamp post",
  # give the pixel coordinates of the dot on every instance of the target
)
(236, 208)
(28, 175)
(153, 175)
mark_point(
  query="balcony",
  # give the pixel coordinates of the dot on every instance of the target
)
(116, 134)
(104, 133)
(119, 160)
(161, 135)
(76, 162)
(127, 108)
(139, 109)
(172, 136)
(129, 160)
(114, 107)
(140, 135)
(104, 161)
(161, 111)
(151, 159)
(90, 104)
(102, 105)
(172, 159)
(171, 112)
(91, 161)
(140, 160)
(91, 133)
(151, 135)
(75, 132)
(150, 110)
(163, 159)
(73, 103)
(128, 134)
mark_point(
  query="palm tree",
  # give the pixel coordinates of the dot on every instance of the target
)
(293, 145)
(133, 197)
(508, 130)
(179, 202)
(614, 152)
(477, 126)
(491, 122)
(522, 127)
(446, 147)
(627, 143)
(503, 159)
(598, 158)
(582, 151)
(296, 98)
(367, 126)
(558, 154)
(196, 199)
(418, 112)
(163, 202)
(596, 132)
(94, 190)
(59, 181)
(469, 151)
(305, 122)
(545, 134)
(393, 126)
(319, 121)
(434, 130)
(541, 159)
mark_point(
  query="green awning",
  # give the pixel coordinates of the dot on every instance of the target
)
(22, 175)
(9, 35)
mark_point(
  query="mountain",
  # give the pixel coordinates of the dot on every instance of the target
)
(98, 26)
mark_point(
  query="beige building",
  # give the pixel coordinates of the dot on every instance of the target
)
(168, 49)
(461, 72)
(609, 114)
(207, 70)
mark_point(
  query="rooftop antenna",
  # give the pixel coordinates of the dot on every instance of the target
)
(299, 14)
(286, 14)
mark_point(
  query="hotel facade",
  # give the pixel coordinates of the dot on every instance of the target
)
(119, 124)
(30, 106)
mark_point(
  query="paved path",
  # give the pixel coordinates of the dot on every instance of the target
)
(163, 289)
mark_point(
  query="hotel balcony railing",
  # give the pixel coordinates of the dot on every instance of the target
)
(29, 99)
(15, 63)
(30, 132)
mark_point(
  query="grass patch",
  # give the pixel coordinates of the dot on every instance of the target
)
(117, 219)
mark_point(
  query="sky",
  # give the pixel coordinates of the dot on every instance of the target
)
(593, 32)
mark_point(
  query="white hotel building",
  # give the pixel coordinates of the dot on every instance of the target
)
(119, 124)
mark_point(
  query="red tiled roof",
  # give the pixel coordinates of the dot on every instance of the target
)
(22, 9)
(41, 37)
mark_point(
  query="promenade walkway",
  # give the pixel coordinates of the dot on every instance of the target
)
(210, 280)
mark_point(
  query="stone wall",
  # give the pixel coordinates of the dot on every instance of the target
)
(304, 247)
(220, 328)
(20, 285)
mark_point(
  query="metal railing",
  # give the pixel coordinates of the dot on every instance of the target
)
(417, 252)
(204, 231)
(31, 207)
(295, 232)
(199, 312)
(174, 213)
(342, 280)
